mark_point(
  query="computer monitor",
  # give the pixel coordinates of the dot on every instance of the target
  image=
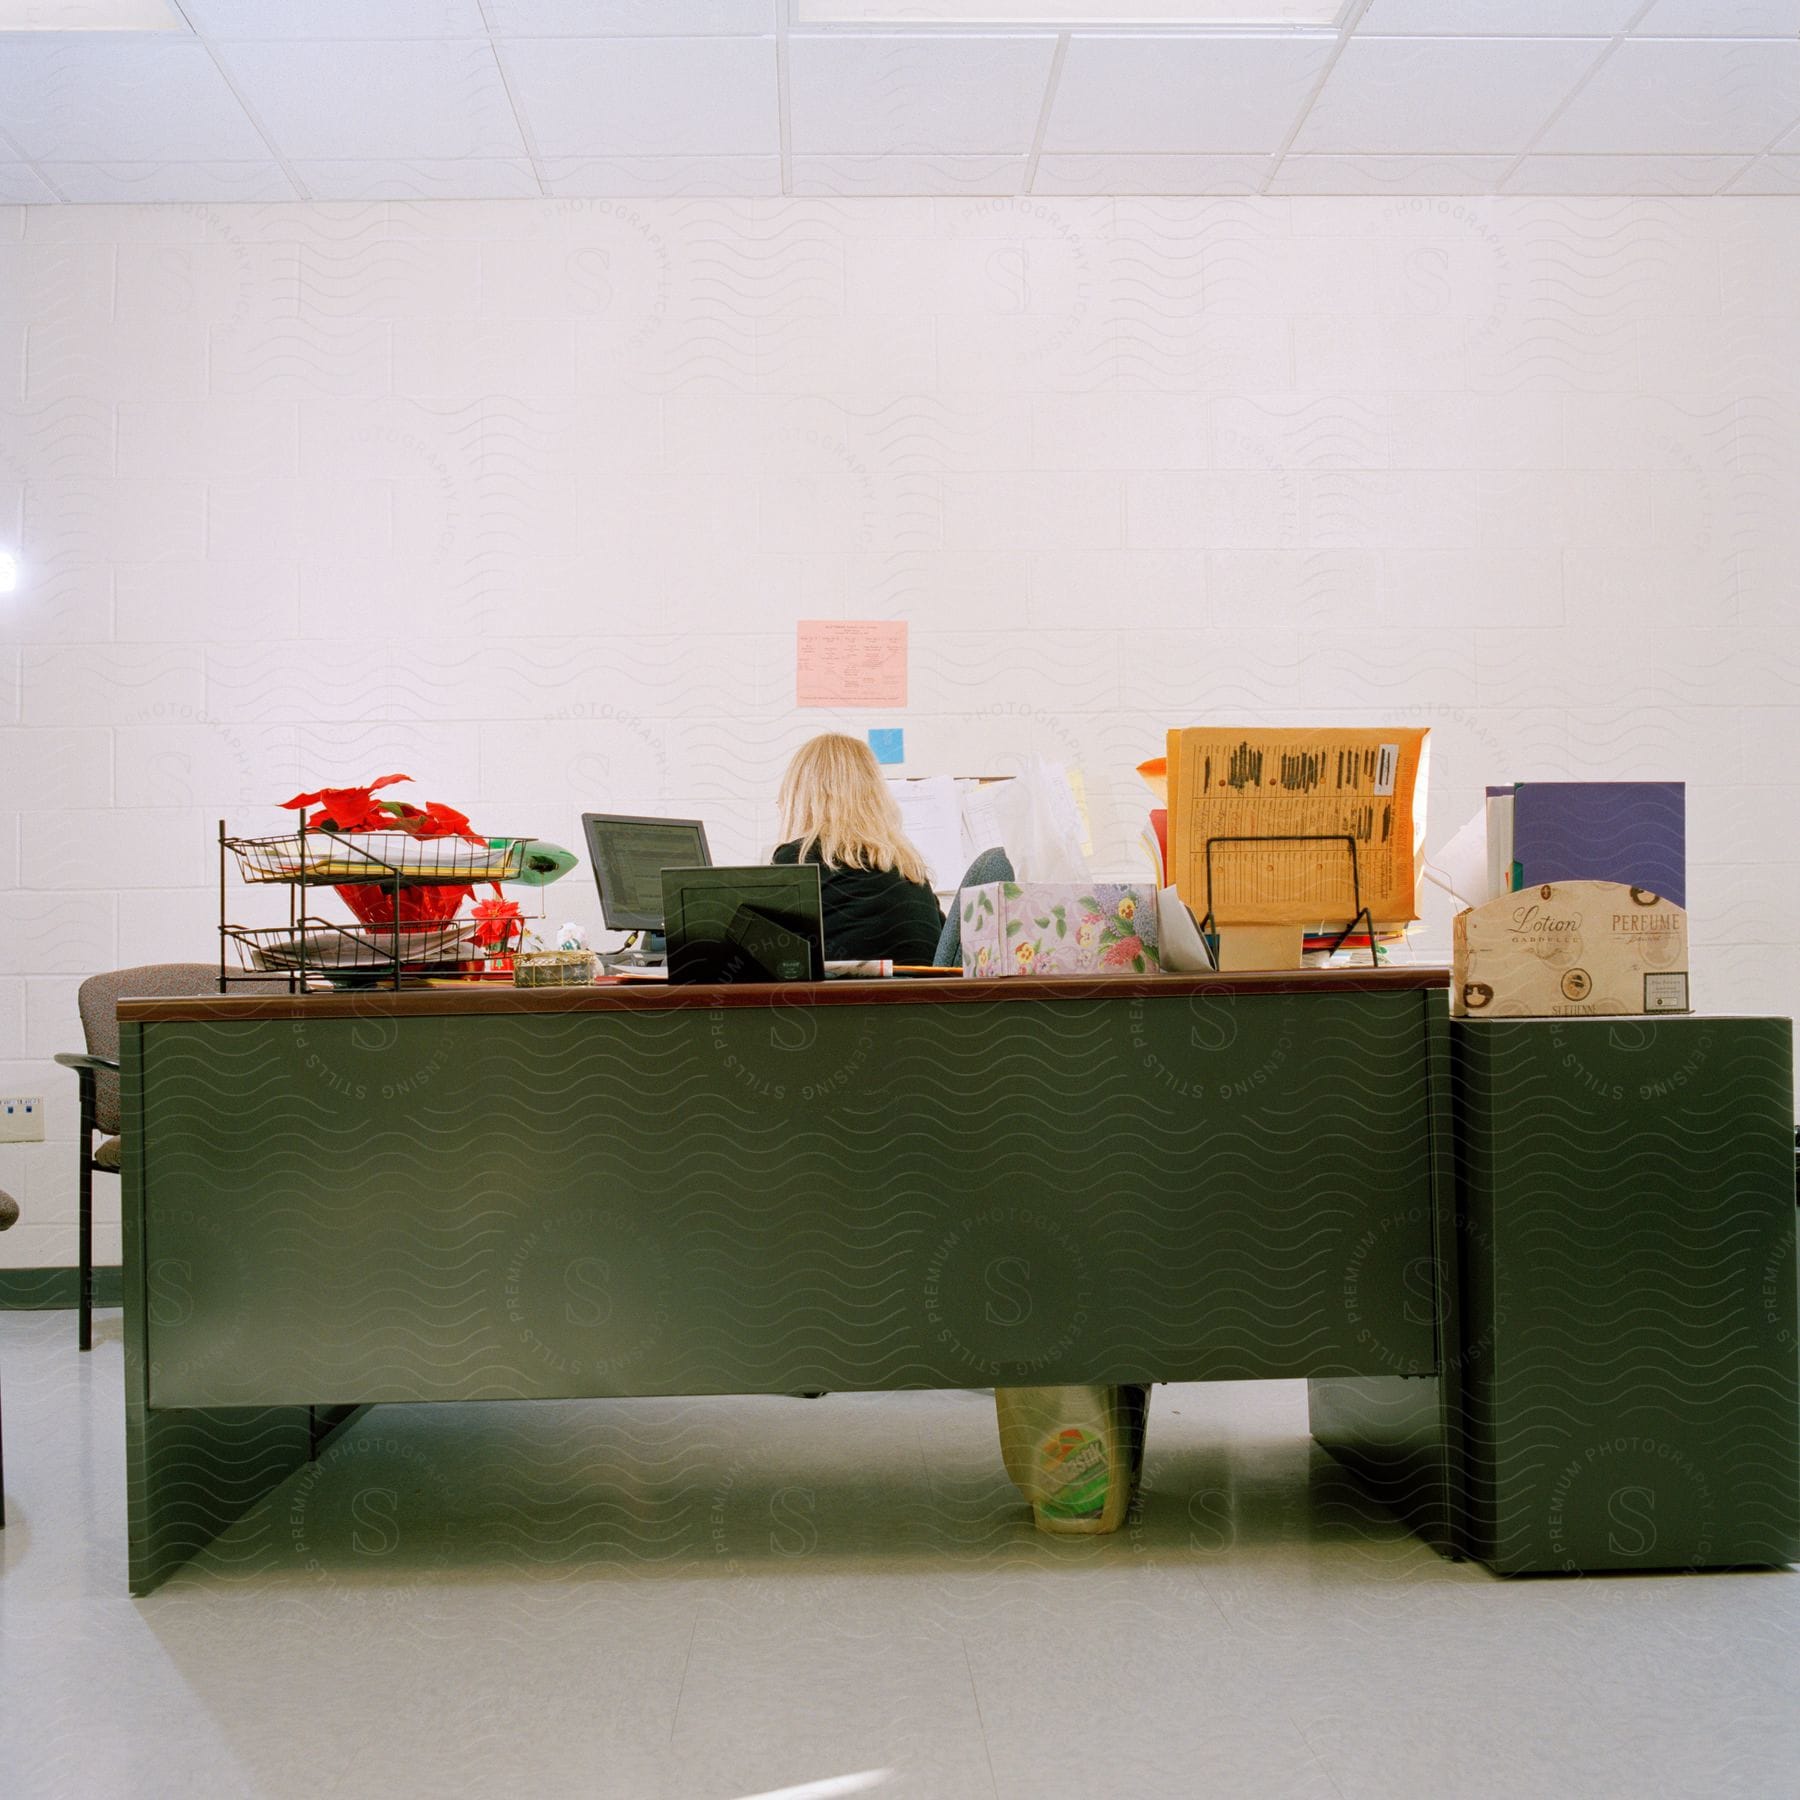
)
(762, 923)
(629, 855)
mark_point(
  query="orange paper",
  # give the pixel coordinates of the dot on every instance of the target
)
(850, 662)
(1340, 787)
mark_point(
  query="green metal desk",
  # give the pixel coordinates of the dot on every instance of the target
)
(336, 1201)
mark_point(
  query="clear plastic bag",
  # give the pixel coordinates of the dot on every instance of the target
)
(1034, 818)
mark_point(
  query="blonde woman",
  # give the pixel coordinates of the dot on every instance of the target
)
(837, 811)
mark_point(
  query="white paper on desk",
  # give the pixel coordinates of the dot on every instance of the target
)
(930, 816)
(1460, 867)
(1180, 942)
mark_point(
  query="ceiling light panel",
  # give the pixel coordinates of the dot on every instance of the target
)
(1069, 13)
(88, 15)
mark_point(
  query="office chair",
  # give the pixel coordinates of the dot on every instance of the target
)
(98, 1074)
(990, 865)
(9, 1217)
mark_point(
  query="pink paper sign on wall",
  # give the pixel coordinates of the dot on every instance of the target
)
(850, 662)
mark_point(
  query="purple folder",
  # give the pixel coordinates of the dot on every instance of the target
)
(1633, 832)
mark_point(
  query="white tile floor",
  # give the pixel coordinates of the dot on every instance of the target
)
(702, 1600)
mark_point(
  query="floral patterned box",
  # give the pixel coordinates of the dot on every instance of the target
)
(1050, 928)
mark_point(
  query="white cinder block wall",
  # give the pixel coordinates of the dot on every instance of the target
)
(524, 498)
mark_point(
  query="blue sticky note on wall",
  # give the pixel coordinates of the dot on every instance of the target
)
(889, 746)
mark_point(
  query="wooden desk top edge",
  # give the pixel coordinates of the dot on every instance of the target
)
(483, 1000)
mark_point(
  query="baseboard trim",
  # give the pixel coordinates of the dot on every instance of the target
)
(45, 1290)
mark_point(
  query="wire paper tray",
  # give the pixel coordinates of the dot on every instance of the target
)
(328, 857)
(371, 949)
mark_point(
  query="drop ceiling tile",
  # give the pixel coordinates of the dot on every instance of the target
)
(1624, 174)
(467, 178)
(169, 182)
(337, 100)
(1497, 18)
(690, 96)
(335, 18)
(890, 175)
(631, 18)
(89, 15)
(130, 97)
(1390, 174)
(1684, 96)
(1768, 175)
(1073, 15)
(1466, 96)
(1149, 174)
(1182, 95)
(1721, 18)
(21, 185)
(599, 177)
(895, 93)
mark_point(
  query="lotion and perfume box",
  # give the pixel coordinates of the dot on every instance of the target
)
(1570, 948)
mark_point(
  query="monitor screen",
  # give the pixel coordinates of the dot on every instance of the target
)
(629, 855)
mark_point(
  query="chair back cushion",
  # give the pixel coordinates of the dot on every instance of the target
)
(99, 999)
(990, 865)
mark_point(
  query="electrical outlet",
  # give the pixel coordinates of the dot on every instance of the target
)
(22, 1121)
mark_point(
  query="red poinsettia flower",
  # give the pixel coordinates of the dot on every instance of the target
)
(357, 809)
(349, 808)
(439, 820)
(497, 923)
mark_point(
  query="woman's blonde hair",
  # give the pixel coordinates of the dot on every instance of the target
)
(833, 796)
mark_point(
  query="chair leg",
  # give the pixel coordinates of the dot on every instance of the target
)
(87, 1255)
(2, 1474)
(86, 1299)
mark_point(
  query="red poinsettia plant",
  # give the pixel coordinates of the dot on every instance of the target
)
(355, 809)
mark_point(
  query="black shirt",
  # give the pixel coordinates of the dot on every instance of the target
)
(873, 914)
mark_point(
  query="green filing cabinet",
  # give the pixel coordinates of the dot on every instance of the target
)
(1629, 1392)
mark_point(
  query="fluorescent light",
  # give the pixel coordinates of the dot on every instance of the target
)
(830, 1788)
(1066, 13)
(88, 15)
(9, 572)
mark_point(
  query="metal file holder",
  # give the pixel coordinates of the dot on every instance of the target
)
(304, 858)
(1359, 917)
